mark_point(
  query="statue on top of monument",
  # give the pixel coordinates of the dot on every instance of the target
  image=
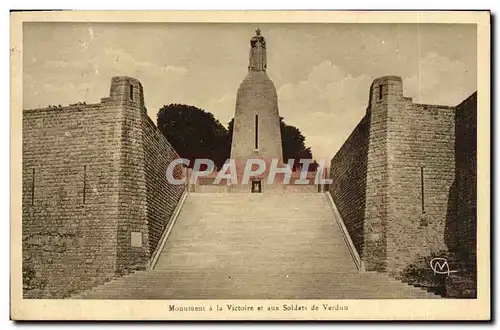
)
(258, 61)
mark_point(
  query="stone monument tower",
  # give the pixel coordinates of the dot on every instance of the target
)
(256, 131)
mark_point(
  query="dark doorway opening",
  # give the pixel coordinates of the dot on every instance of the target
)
(256, 186)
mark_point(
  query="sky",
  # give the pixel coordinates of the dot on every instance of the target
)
(322, 72)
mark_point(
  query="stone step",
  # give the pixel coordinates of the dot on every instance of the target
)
(248, 284)
(255, 246)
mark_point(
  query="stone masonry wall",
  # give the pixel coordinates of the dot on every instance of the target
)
(70, 198)
(461, 226)
(161, 197)
(462, 216)
(132, 197)
(90, 174)
(348, 188)
(421, 171)
(410, 178)
(381, 103)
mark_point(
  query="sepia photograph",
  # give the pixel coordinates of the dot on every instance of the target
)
(231, 169)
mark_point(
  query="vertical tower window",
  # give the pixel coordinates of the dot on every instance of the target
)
(380, 92)
(84, 183)
(422, 189)
(131, 92)
(33, 188)
(256, 131)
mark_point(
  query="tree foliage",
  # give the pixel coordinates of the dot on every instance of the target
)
(194, 133)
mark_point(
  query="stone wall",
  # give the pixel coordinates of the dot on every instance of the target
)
(161, 197)
(461, 231)
(348, 187)
(393, 177)
(421, 172)
(132, 206)
(462, 223)
(69, 177)
(89, 172)
(298, 182)
(383, 95)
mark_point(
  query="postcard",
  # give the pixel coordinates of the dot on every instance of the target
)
(253, 165)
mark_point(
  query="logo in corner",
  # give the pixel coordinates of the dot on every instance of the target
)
(440, 266)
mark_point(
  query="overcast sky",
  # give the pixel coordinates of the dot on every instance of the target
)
(322, 72)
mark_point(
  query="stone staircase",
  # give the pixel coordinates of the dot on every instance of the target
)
(255, 246)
